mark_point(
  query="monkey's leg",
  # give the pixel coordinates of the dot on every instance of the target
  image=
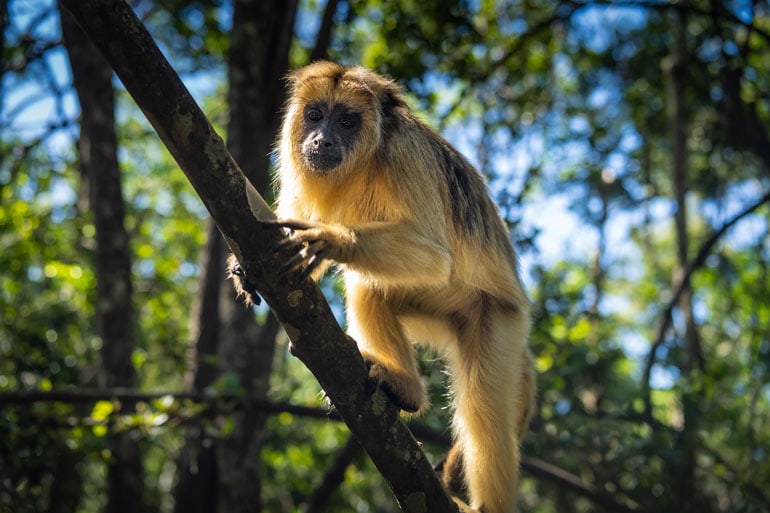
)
(489, 381)
(391, 357)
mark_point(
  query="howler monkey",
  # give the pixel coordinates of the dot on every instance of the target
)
(426, 258)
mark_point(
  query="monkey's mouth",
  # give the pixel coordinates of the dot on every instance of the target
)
(322, 161)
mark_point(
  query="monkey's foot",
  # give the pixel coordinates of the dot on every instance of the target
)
(406, 391)
(243, 287)
(451, 469)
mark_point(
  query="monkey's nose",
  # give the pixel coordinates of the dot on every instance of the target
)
(320, 142)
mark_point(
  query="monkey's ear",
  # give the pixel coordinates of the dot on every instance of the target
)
(391, 101)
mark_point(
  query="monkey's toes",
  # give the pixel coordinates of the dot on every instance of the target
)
(243, 287)
(406, 392)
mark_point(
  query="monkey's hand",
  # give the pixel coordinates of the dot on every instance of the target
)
(314, 242)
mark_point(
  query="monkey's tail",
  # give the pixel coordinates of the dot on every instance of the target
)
(493, 381)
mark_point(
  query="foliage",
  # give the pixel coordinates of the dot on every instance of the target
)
(563, 105)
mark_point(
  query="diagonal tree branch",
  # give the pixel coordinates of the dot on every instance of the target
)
(684, 282)
(722, 13)
(333, 477)
(535, 467)
(316, 337)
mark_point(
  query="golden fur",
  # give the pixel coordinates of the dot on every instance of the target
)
(426, 258)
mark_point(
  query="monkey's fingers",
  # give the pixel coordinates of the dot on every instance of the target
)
(292, 224)
(293, 263)
(286, 243)
(251, 290)
(310, 256)
(299, 239)
(312, 264)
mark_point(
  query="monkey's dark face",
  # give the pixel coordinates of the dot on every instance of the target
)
(328, 135)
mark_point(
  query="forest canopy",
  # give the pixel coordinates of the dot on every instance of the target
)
(627, 145)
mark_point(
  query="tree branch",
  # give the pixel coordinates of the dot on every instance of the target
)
(657, 5)
(129, 396)
(324, 36)
(316, 337)
(334, 476)
(682, 285)
(535, 467)
(569, 481)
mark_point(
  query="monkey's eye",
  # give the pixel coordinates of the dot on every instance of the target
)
(346, 121)
(314, 115)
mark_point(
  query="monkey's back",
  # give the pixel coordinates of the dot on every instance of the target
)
(483, 257)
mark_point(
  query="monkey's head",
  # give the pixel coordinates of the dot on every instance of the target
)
(336, 117)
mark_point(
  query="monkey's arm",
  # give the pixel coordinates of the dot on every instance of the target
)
(396, 253)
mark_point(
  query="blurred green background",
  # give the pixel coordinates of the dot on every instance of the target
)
(626, 143)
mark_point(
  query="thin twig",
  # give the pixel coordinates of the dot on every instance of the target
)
(682, 285)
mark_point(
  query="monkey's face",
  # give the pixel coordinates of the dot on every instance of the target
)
(334, 122)
(329, 134)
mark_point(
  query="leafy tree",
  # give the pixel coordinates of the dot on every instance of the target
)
(650, 326)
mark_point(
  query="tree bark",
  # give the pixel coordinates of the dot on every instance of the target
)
(226, 476)
(324, 37)
(196, 488)
(684, 468)
(97, 149)
(316, 337)
(258, 60)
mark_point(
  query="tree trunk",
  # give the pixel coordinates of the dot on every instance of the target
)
(229, 473)
(92, 78)
(684, 468)
(242, 215)
(196, 488)
(324, 37)
(258, 61)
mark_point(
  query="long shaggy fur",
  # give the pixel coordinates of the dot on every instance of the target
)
(426, 258)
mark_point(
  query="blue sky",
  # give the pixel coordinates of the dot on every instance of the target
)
(28, 109)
